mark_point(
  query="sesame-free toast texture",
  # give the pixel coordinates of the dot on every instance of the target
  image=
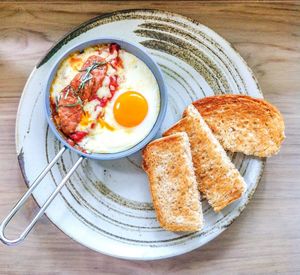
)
(243, 123)
(168, 163)
(217, 177)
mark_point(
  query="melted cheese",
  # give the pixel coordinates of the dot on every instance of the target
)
(104, 90)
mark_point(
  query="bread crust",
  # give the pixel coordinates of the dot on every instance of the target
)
(217, 177)
(168, 164)
(243, 124)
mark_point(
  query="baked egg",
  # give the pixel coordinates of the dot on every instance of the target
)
(104, 99)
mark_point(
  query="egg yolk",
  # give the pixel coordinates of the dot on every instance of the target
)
(130, 109)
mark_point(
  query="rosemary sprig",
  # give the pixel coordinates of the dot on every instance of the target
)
(70, 105)
(92, 67)
(57, 98)
(67, 93)
(83, 81)
(78, 102)
(87, 76)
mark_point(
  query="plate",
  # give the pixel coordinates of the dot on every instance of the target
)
(106, 205)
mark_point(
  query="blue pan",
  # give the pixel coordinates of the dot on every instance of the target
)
(139, 52)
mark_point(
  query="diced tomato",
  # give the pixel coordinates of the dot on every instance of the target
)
(113, 47)
(103, 101)
(78, 136)
(113, 80)
(93, 125)
(95, 97)
(113, 84)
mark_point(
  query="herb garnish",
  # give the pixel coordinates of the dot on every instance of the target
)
(78, 102)
(83, 81)
(70, 105)
(68, 90)
(87, 76)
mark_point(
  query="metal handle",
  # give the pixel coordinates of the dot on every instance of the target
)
(21, 202)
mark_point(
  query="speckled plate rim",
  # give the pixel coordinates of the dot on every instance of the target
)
(63, 41)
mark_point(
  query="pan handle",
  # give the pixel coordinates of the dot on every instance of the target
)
(21, 202)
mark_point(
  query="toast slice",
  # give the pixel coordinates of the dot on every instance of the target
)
(217, 177)
(243, 124)
(168, 163)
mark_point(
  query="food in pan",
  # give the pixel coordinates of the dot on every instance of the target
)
(243, 123)
(173, 185)
(217, 177)
(104, 99)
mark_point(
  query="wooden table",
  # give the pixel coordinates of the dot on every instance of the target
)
(264, 239)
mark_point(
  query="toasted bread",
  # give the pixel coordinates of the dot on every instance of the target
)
(217, 177)
(168, 163)
(243, 124)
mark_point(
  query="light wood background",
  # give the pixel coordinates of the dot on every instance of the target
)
(264, 239)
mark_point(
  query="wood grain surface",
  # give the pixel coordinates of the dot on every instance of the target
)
(264, 239)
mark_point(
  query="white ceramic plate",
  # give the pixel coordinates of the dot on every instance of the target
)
(106, 205)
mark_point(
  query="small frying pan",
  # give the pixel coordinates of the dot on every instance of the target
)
(139, 52)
